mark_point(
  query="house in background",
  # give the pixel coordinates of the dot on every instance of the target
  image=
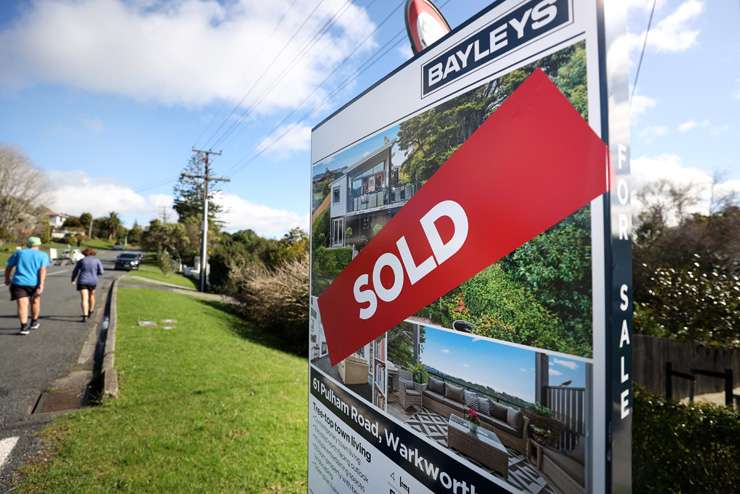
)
(56, 220)
(367, 195)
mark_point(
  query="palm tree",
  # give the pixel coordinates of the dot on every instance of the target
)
(113, 222)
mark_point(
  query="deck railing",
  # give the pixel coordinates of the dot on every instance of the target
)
(569, 407)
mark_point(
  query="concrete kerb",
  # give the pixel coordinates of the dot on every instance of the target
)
(108, 370)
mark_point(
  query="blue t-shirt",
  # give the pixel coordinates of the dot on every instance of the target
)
(27, 263)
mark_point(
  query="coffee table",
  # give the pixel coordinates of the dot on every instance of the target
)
(484, 446)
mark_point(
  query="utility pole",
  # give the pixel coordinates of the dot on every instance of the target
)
(205, 155)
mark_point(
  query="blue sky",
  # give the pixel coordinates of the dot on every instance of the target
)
(108, 96)
(502, 367)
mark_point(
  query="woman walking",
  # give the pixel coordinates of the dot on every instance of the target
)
(86, 274)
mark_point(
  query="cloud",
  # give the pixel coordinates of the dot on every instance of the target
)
(570, 364)
(240, 214)
(522, 369)
(189, 52)
(650, 169)
(554, 372)
(673, 33)
(75, 192)
(286, 140)
(653, 132)
(692, 124)
(445, 350)
(640, 104)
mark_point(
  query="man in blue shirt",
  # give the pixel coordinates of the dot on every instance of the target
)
(27, 283)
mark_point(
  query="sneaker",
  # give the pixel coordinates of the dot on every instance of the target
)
(25, 330)
(84, 319)
(35, 324)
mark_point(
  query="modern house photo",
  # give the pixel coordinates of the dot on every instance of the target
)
(515, 412)
(367, 195)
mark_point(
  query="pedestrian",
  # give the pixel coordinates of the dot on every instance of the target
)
(27, 282)
(86, 274)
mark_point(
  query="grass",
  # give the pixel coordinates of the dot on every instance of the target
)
(97, 243)
(202, 409)
(152, 272)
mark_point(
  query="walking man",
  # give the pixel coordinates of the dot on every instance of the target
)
(27, 283)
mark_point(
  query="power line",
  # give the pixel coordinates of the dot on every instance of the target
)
(274, 30)
(363, 68)
(642, 52)
(267, 70)
(289, 67)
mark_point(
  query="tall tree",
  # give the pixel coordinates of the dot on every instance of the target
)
(21, 188)
(114, 222)
(86, 219)
(189, 194)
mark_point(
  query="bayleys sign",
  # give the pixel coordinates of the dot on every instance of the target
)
(511, 31)
(509, 182)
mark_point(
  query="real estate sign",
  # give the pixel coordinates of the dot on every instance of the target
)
(470, 312)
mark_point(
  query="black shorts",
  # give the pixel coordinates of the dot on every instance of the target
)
(85, 287)
(21, 291)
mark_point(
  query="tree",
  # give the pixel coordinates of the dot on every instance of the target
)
(21, 189)
(113, 224)
(134, 235)
(85, 220)
(434, 135)
(72, 222)
(189, 192)
(170, 237)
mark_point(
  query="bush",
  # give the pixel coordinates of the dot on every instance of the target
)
(684, 448)
(277, 300)
(164, 261)
(327, 264)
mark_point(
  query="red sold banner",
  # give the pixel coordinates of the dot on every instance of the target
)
(532, 163)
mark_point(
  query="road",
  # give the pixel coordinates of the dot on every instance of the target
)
(29, 364)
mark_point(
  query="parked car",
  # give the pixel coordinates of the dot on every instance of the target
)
(119, 247)
(128, 261)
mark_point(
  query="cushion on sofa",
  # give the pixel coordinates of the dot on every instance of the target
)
(471, 400)
(514, 418)
(436, 385)
(498, 411)
(454, 392)
(484, 405)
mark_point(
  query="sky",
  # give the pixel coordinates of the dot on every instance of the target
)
(502, 367)
(109, 96)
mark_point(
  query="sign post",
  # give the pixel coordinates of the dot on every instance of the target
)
(470, 312)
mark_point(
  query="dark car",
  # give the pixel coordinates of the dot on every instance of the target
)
(128, 261)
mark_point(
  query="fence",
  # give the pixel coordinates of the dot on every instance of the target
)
(689, 366)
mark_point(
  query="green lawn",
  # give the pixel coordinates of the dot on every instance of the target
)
(201, 409)
(97, 243)
(152, 272)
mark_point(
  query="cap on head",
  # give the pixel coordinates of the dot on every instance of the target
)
(33, 241)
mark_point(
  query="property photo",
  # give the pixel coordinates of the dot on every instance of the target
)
(518, 413)
(538, 295)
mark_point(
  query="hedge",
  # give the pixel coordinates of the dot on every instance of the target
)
(684, 448)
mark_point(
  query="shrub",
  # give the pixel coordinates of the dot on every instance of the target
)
(684, 448)
(277, 300)
(164, 261)
(327, 264)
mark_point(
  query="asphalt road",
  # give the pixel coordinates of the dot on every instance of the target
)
(29, 364)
